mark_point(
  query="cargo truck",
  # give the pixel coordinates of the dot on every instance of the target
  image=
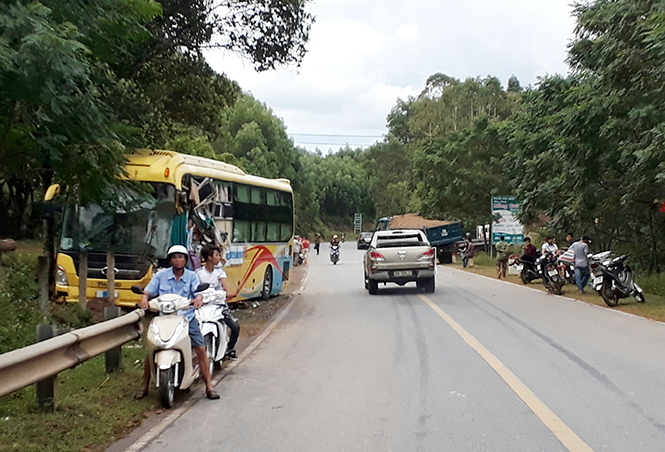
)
(443, 235)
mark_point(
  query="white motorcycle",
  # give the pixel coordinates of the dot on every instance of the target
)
(211, 321)
(172, 363)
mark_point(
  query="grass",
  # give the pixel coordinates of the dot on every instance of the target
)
(93, 409)
(653, 286)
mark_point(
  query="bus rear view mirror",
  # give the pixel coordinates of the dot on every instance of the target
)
(51, 192)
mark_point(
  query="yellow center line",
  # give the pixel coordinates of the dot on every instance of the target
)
(565, 434)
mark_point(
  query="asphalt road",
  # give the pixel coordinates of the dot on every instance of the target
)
(479, 365)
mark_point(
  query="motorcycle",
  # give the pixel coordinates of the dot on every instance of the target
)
(172, 364)
(550, 274)
(613, 280)
(530, 270)
(334, 254)
(211, 322)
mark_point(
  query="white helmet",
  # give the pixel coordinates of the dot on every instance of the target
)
(177, 249)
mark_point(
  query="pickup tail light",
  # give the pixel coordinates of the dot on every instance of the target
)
(428, 255)
(376, 256)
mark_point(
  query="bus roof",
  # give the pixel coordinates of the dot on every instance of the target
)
(170, 167)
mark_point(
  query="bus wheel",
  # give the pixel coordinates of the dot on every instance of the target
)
(267, 284)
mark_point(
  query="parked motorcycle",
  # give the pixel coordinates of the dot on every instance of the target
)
(613, 280)
(334, 254)
(211, 322)
(529, 272)
(172, 364)
(550, 274)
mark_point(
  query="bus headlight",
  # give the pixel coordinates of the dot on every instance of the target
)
(61, 276)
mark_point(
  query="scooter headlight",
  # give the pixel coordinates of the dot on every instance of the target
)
(167, 307)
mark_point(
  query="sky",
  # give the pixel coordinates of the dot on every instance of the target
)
(364, 55)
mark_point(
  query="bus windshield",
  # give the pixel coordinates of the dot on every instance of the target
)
(139, 224)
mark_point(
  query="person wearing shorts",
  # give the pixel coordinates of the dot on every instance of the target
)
(179, 280)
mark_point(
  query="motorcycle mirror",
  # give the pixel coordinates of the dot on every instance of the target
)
(137, 290)
(202, 287)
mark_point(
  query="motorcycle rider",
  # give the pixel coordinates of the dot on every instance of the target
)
(215, 275)
(180, 281)
(334, 241)
(582, 272)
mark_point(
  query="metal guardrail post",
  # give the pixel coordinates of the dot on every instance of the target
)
(83, 279)
(113, 357)
(40, 361)
(42, 278)
(46, 387)
(110, 276)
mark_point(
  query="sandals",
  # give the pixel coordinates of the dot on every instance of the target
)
(212, 395)
(140, 395)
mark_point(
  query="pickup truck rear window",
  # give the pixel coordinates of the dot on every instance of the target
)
(402, 240)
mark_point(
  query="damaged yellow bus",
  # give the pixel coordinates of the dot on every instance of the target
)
(191, 201)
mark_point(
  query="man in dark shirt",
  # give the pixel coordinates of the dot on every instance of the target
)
(530, 251)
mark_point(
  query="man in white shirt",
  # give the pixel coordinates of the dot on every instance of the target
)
(549, 246)
(215, 275)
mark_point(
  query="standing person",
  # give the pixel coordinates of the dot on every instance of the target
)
(305, 248)
(569, 240)
(215, 275)
(582, 273)
(343, 236)
(549, 246)
(180, 281)
(468, 250)
(317, 242)
(501, 257)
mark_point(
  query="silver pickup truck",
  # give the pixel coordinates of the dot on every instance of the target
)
(399, 256)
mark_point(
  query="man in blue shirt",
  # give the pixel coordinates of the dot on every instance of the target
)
(582, 272)
(180, 281)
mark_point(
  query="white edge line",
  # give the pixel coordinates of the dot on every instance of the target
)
(606, 309)
(162, 425)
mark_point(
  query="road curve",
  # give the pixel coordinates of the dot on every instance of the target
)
(479, 365)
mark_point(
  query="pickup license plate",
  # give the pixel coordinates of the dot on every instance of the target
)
(402, 273)
(104, 294)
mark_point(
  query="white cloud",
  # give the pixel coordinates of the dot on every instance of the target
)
(364, 54)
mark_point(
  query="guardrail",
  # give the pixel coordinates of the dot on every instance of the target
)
(40, 361)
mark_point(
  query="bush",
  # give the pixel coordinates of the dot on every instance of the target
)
(654, 283)
(18, 301)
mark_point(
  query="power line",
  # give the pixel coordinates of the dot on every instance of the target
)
(333, 135)
(334, 144)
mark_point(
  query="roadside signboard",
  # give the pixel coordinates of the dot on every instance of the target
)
(507, 225)
(357, 222)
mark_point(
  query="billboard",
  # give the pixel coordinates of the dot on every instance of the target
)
(507, 225)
